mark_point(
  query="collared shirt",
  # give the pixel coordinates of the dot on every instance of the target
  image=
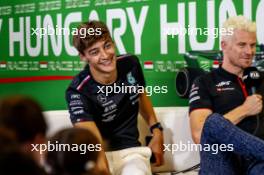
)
(221, 92)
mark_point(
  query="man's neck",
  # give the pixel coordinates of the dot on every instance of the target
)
(232, 69)
(104, 78)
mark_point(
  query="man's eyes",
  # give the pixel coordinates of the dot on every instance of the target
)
(253, 45)
(108, 45)
(241, 44)
(94, 52)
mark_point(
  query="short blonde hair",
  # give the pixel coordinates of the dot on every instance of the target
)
(238, 22)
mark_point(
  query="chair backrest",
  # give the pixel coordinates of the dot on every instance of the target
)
(175, 121)
(57, 120)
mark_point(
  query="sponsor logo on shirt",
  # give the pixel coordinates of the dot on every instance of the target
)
(225, 89)
(101, 98)
(223, 83)
(76, 103)
(223, 86)
(109, 108)
(79, 112)
(75, 96)
(109, 118)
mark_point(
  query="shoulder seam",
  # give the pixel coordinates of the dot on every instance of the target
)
(84, 81)
(123, 56)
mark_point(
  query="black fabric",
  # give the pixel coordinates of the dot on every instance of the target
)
(116, 114)
(221, 92)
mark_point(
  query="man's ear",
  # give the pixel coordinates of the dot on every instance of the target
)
(223, 45)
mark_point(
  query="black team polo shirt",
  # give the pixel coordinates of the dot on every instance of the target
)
(222, 91)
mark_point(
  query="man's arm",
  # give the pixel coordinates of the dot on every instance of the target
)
(156, 143)
(102, 161)
(251, 106)
(79, 107)
(197, 120)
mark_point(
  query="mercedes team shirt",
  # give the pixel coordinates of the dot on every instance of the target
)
(115, 114)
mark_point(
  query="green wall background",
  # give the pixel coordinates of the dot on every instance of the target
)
(17, 16)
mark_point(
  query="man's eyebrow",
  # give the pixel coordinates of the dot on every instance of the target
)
(107, 41)
(92, 49)
(242, 42)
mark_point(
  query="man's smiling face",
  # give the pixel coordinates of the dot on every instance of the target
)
(101, 56)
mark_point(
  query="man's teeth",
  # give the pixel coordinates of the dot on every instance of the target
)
(106, 62)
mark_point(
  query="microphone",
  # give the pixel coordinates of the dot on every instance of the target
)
(251, 78)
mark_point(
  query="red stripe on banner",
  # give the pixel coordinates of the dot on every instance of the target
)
(148, 62)
(43, 62)
(32, 79)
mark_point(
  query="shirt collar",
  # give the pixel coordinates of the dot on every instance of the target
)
(227, 74)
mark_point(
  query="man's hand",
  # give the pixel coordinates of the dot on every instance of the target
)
(253, 105)
(156, 146)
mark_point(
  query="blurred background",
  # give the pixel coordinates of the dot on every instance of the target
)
(42, 65)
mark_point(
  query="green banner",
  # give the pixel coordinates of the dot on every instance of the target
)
(37, 57)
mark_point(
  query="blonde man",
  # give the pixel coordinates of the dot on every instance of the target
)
(222, 111)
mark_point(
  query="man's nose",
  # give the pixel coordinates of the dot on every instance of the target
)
(103, 54)
(249, 50)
